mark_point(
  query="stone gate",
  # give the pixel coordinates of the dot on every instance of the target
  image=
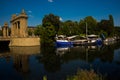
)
(19, 32)
(19, 25)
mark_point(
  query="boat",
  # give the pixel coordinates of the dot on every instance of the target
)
(63, 41)
(94, 39)
(88, 40)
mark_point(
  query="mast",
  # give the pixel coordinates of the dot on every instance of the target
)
(86, 29)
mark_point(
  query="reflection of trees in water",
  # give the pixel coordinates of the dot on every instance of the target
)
(49, 58)
(84, 53)
(52, 60)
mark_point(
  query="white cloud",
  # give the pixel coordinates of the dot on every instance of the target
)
(50, 0)
(60, 19)
(31, 16)
(29, 11)
(16, 13)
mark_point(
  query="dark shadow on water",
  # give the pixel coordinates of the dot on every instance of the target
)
(4, 46)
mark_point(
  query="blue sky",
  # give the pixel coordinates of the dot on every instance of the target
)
(67, 9)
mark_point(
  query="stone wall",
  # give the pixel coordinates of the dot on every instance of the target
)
(25, 41)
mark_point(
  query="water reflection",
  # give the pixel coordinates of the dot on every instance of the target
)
(57, 63)
(62, 51)
(21, 55)
(117, 56)
(87, 53)
(103, 59)
(50, 60)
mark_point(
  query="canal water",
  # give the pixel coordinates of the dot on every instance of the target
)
(33, 63)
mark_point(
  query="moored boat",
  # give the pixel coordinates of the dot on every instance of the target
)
(94, 39)
(89, 40)
(62, 41)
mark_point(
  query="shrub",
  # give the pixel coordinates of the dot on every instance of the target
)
(85, 75)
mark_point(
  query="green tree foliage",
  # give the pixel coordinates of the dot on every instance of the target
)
(68, 28)
(82, 26)
(53, 20)
(91, 25)
(103, 26)
(30, 32)
(111, 20)
(39, 30)
(48, 35)
(107, 26)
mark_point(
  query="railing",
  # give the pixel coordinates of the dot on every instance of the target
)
(8, 38)
(4, 38)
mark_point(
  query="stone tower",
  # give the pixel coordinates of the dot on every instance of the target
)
(5, 30)
(19, 25)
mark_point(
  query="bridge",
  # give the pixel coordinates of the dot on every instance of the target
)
(17, 35)
(18, 27)
(4, 39)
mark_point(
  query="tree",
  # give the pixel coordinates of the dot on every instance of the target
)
(82, 27)
(69, 28)
(107, 26)
(48, 35)
(91, 25)
(111, 25)
(39, 30)
(111, 20)
(53, 20)
(30, 32)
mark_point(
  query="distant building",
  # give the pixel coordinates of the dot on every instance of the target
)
(31, 28)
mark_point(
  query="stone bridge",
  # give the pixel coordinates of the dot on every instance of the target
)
(4, 39)
(17, 35)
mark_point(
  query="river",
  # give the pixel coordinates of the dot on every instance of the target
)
(32, 63)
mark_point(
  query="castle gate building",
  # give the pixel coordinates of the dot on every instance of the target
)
(19, 25)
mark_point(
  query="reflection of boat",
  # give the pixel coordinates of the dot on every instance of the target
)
(61, 51)
(62, 41)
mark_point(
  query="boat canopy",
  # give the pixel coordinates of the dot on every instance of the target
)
(92, 35)
(61, 36)
(71, 37)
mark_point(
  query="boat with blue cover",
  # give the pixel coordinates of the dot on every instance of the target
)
(63, 41)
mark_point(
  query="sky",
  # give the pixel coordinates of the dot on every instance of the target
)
(74, 10)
